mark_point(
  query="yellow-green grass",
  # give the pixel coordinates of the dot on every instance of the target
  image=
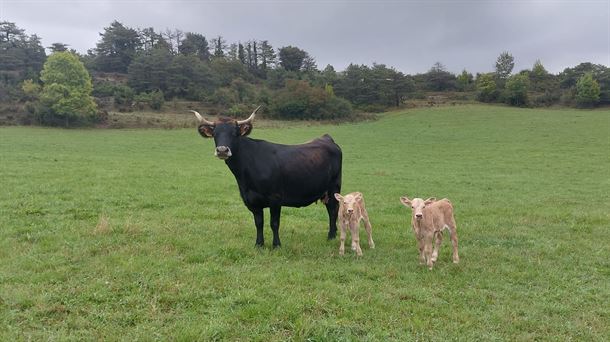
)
(141, 234)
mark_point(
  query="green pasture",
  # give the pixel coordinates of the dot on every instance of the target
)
(141, 234)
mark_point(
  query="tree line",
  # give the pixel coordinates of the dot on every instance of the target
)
(131, 69)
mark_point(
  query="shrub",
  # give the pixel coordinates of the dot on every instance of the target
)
(587, 91)
(298, 100)
(486, 88)
(157, 100)
(153, 100)
(516, 90)
(66, 94)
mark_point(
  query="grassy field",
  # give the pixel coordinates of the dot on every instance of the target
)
(141, 234)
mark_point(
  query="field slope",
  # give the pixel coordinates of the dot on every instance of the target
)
(141, 234)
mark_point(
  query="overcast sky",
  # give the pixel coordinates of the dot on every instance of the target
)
(408, 35)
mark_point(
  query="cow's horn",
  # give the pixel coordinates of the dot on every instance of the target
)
(202, 119)
(250, 118)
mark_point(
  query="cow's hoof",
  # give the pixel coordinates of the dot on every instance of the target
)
(259, 244)
(279, 245)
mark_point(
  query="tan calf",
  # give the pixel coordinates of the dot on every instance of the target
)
(351, 212)
(429, 218)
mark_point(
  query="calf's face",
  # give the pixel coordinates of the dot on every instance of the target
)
(417, 205)
(349, 202)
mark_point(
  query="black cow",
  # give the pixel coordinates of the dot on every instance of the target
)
(272, 175)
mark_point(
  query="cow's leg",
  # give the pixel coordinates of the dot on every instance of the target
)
(454, 241)
(438, 239)
(369, 229)
(354, 226)
(275, 224)
(259, 222)
(332, 207)
(343, 233)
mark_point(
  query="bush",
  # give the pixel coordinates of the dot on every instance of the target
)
(587, 91)
(548, 98)
(153, 100)
(486, 88)
(300, 101)
(66, 95)
(516, 90)
(157, 100)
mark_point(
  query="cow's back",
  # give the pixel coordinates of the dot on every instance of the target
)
(295, 175)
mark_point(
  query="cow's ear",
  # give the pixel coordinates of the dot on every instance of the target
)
(338, 197)
(430, 200)
(206, 131)
(406, 201)
(245, 129)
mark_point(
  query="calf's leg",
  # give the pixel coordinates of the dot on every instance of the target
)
(454, 241)
(369, 229)
(438, 239)
(354, 228)
(342, 244)
(428, 241)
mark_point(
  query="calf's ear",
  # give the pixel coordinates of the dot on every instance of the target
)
(338, 197)
(406, 201)
(245, 129)
(206, 131)
(430, 200)
(359, 197)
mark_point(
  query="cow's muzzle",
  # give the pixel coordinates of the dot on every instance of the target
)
(223, 152)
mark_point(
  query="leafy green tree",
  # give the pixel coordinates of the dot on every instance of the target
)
(329, 75)
(66, 93)
(516, 90)
(299, 100)
(150, 71)
(291, 58)
(570, 76)
(587, 91)
(539, 77)
(226, 70)
(188, 77)
(486, 88)
(504, 66)
(195, 44)
(117, 48)
(464, 81)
